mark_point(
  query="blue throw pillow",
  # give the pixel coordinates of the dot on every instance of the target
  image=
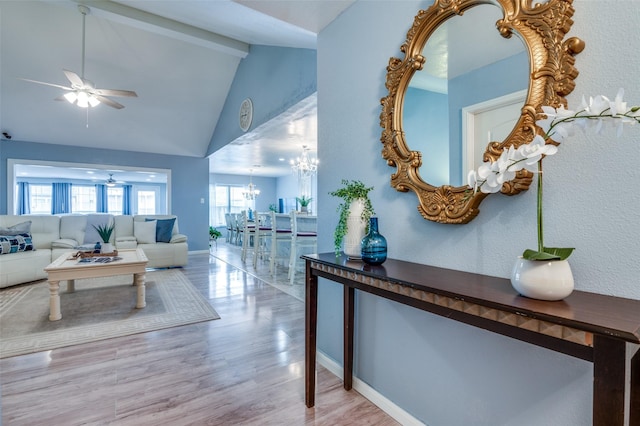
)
(16, 243)
(164, 229)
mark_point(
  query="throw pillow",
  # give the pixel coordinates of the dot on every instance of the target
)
(145, 232)
(19, 228)
(16, 243)
(164, 229)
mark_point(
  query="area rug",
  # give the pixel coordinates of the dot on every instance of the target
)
(100, 308)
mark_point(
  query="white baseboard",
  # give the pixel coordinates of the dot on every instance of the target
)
(197, 251)
(397, 413)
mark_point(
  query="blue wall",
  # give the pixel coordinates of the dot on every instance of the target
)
(275, 78)
(426, 125)
(492, 81)
(189, 178)
(431, 366)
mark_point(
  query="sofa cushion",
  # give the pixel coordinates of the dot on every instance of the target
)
(16, 243)
(19, 228)
(65, 243)
(124, 226)
(73, 227)
(145, 232)
(44, 228)
(164, 229)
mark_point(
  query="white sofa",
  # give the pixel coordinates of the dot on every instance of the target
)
(55, 235)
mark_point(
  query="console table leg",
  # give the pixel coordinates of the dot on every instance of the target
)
(54, 301)
(608, 381)
(348, 336)
(311, 321)
(634, 415)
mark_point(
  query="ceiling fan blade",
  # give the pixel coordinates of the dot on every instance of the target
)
(115, 92)
(47, 84)
(109, 102)
(74, 78)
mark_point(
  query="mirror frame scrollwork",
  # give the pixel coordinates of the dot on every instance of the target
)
(542, 29)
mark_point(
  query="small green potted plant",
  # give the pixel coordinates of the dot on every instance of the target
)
(214, 234)
(304, 203)
(355, 196)
(105, 232)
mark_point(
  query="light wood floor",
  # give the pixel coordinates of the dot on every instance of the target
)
(245, 369)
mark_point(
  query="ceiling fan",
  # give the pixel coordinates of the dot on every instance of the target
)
(83, 92)
(111, 181)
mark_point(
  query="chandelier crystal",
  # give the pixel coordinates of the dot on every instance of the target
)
(304, 166)
(251, 192)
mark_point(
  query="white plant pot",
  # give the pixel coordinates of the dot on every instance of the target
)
(107, 248)
(543, 280)
(355, 229)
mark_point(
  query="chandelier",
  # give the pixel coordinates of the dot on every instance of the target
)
(304, 166)
(251, 192)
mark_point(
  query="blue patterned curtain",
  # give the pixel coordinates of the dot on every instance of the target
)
(60, 198)
(24, 198)
(126, 199)
(102, 198)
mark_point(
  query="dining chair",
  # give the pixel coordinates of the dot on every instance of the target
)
(304, 238)
(280, 239)
(262, 235)
(229, 225)
(234, 228)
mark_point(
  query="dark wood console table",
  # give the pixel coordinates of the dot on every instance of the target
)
(588, 326)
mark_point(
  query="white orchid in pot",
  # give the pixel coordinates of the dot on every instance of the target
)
(544, 273)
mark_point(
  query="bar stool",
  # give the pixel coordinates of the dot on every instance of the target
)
(262, 234)
(247, 232)
(280, 239)
(304, 235)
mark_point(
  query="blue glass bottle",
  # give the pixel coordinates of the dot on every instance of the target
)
(373, 247)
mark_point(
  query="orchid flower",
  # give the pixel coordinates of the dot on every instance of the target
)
(557, 124)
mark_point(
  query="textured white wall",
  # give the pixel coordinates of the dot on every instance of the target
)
(442, 372)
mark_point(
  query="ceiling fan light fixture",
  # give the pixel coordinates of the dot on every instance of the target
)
(93, 101)
(83, 100)
(71, 97)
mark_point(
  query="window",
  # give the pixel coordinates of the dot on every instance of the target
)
(83, 199)
(40, 199)
(225, 199)
(114, 203)
(146, 202)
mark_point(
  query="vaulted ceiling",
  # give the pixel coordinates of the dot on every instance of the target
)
(180, 57)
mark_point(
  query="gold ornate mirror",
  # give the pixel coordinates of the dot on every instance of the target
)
(541, 26)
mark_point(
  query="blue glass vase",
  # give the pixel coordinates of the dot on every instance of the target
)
(373, 247)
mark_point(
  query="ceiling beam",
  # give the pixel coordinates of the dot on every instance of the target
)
(157, 24)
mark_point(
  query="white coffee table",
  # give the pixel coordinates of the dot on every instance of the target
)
(132, 262)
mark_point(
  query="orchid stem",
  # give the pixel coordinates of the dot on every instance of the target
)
(540, 232)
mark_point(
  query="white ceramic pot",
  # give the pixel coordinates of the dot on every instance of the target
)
(107, 248)
(543, 280)
(356, 228)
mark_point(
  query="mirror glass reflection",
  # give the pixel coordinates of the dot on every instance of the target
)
(468, 65)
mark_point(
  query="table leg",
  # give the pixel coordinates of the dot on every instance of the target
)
(608, 381)
(634, 415)
(54, 301)
(138, 279)
(71, 286)
(349, 293)
(311, 322)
